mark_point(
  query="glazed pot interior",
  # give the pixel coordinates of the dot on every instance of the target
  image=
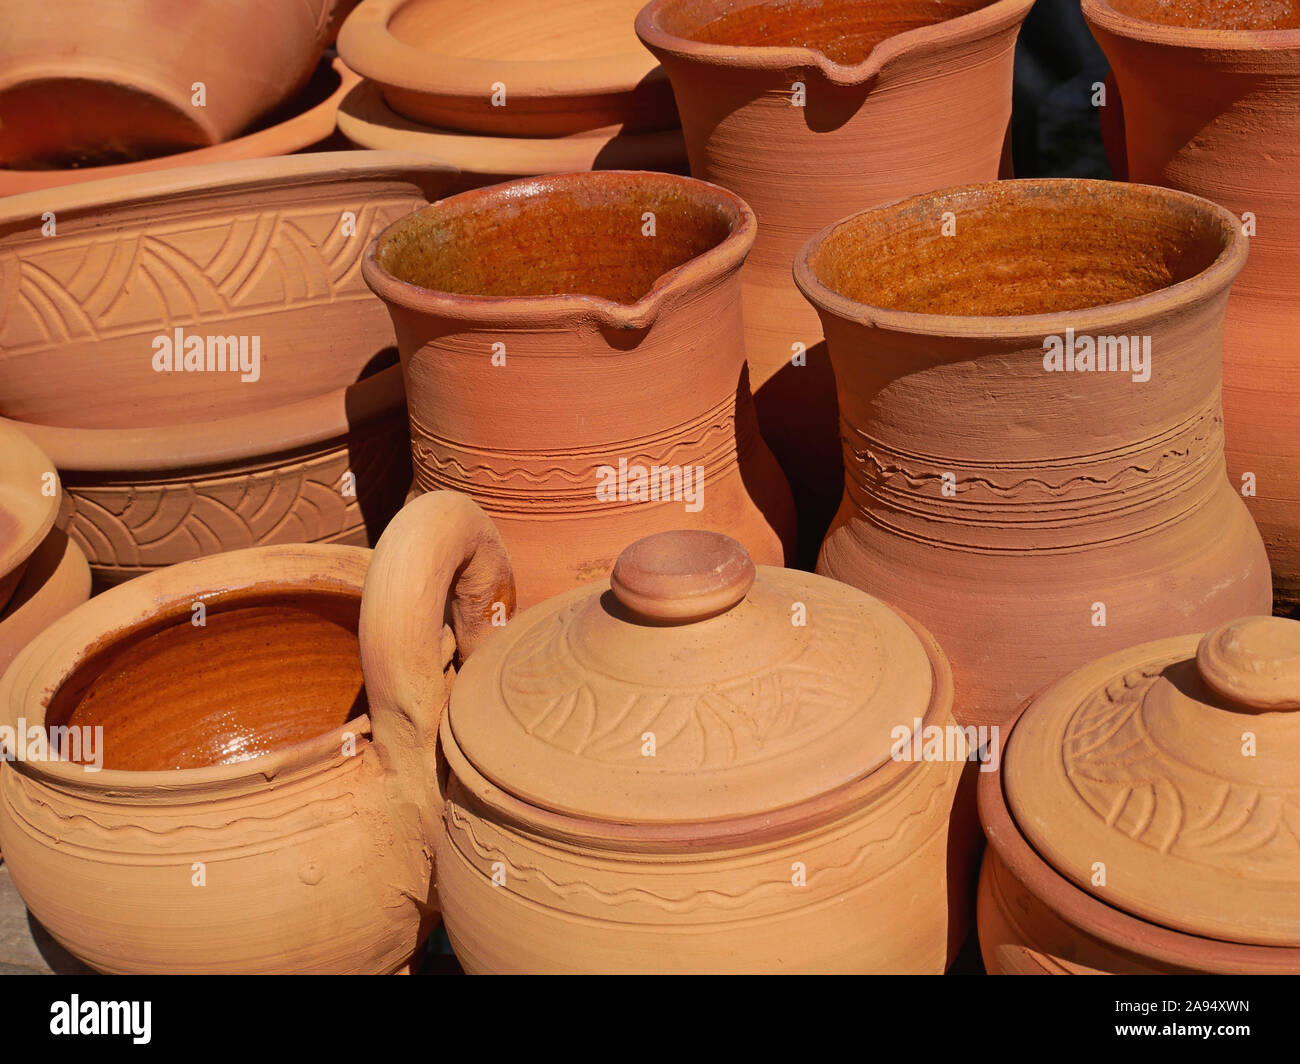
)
(518, 30)
(1020, 248)
(543, 238)
(1214, 14)
(263, 673)
(844, 31)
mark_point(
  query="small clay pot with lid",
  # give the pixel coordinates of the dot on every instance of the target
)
(574, 360)
(702, 765)
(1144, 816)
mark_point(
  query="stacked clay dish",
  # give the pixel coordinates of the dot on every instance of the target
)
(509, 90)
(288, 425)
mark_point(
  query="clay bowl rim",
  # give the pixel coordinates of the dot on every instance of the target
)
(115, 615)
(303, 130)
(986, 21)
(363, 112)
(1088, 914)
(31, 461)
(1122, 24)
(1103, 318)
(722, 258)
(678, 837)
(396, 63)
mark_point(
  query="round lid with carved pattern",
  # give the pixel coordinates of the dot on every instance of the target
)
(694, 686)
(1165, 781)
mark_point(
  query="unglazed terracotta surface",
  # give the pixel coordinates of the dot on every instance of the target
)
(1141, 818)
(305, 799)
(161, 466)
(83, 81)
(29, 503)
(368, 122)
(514, 68)
(55, 580)
(1211, 97)
(811, 111)
(570, 372)
(741, 812)
(1034, 520)
(304, 123)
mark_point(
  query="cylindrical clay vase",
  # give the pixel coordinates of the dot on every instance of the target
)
(1034, 510)
(572, 349)
(1211, 98)
(811, 110)
(279, 821)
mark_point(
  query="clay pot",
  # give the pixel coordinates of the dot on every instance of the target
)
(749, 810)
(304, 123)
(296, 792)
(514, 68)
(143, 80)
(573, 358)
(1212, 106)
(42, 575)
(366, 120)
(1035, 519)
(813, 110)
(161, 466)
(1138, 821)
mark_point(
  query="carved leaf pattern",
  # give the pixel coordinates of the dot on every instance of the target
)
(1142, 790)
(564, 702)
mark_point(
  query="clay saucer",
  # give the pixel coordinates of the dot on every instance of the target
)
(26, 512)
(303, 124)
(552, 69)
(366, 120)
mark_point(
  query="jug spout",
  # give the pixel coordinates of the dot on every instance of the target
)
(440, 558)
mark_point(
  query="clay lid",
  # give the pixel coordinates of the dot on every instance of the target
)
(27, 513)
(695, 654)
(1176, 766)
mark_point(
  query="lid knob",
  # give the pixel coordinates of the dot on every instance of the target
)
(682, 576)
(1253, 662)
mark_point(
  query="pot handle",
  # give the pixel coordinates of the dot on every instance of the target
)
(440, 554)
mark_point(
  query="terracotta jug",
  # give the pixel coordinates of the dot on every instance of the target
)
(810, 110)
(572, 350)
(1036, 511)
(1211, 97)
(1143, 817)
(297, 791)
(701, 765)
(85, 84)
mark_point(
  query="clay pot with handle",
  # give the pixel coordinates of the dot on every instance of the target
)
(701, 765)
(237, 773)
(1143, 818)
(811, 110)
(1211, 106)
(1029, 381)
(572, 348)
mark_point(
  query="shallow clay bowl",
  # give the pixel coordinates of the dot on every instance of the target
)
(55, 580)
(366, 120)
(303, 123)
(27, 510)
(1034, 920)
(78, 77)
(566, 66)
